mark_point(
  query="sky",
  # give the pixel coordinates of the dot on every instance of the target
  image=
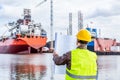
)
(104, 15)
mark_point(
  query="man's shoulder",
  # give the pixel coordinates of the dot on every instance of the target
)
(93, 53)
(68, 53)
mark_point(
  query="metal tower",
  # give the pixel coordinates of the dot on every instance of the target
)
(80, 20)
(70, 24)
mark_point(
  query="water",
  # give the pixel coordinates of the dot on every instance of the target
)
(40, 67)
(25, 67)
(109, 67)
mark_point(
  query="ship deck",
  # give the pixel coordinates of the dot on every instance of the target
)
(107, 53)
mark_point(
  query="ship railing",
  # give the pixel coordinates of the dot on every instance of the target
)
(31, 36)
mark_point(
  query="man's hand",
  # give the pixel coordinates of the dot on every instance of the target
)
(55, 53)
(51, 50)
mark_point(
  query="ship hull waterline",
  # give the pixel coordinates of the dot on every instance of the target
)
(22, 45)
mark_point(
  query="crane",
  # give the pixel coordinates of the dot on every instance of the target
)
(51, 19)
(40, 3)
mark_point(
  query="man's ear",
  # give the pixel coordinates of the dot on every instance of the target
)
(77, 43)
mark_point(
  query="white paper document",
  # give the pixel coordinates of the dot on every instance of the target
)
(63, 44)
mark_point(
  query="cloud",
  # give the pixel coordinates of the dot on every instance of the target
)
(16, 2)
(105, 12)
(0, 7)
(102, 12)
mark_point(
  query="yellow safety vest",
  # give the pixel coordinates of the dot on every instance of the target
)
(83, 65)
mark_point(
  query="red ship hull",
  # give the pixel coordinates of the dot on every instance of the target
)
(22, 45)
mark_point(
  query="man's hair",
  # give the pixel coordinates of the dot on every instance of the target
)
(82, 42)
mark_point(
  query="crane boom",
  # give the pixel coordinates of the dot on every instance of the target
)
(40, 3)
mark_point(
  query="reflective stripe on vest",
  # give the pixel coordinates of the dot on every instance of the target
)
(80, 77)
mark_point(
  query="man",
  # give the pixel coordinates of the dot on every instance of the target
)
(80, 63)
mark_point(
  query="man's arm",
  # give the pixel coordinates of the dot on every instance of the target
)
(61, 60)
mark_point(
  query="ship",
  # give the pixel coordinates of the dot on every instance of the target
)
(26, 36)
(103, 46)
